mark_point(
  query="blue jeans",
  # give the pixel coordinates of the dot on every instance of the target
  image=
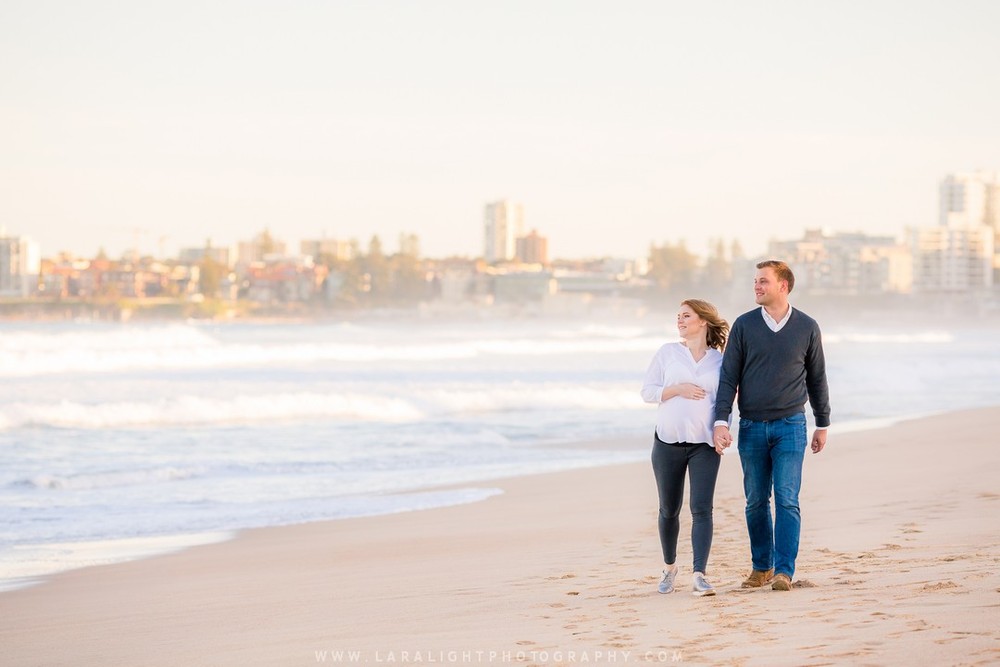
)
(771, 453)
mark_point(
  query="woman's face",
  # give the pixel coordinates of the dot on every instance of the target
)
(689, 325)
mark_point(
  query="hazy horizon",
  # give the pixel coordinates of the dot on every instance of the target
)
(615, 125)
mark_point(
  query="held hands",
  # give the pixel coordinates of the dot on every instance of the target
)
(722, 438)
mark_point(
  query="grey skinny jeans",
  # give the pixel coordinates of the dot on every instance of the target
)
(670, 463)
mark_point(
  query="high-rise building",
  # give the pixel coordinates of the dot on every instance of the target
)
(20, 264)
(533, 249)
(502, 225)
(952, 258)
(970, 199)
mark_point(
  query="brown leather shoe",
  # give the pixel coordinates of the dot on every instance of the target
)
(758, 578)
(782, 582)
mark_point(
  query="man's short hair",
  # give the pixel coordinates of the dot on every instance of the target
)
(781, 271)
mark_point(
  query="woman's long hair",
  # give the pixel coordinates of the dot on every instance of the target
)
(718, 328)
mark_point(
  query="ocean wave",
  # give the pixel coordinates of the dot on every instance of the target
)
(603, 331)
(421, 403)
(185, 347)
(171, 336)
(518, 396)
(113, 479)
(933, 337)
(191, 410)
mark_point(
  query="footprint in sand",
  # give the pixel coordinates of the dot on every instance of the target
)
(637, 595)
(620, 641)
(940, 586)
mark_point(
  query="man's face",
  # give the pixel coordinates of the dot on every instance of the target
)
(767, 288)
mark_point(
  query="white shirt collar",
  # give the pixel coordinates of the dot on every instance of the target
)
(771, 324)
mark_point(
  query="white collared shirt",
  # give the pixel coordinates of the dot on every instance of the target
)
(682, 419)
(770, 321)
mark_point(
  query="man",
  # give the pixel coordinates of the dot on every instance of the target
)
(774, 359)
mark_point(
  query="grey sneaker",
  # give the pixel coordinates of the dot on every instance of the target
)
(701, 588)
(667, 583)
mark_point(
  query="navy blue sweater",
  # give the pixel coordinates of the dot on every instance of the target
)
(775, 372)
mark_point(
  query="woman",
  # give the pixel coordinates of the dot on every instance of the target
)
(683, 379)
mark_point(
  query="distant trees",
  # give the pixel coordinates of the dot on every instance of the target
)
(672, 267)
(678, 272)
(375, 279)
(267, 243)
(210, 275)
(718, 269)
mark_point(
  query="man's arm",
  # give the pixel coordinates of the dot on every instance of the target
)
(818, 390)
(729, 376)
(729, 379)
(816, 385)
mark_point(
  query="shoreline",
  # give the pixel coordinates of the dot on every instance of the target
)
(897, 564)
(909, 310)
(64, 557)
(109, 551)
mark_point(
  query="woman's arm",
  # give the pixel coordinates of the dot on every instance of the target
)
(652, 385)
(685, 390)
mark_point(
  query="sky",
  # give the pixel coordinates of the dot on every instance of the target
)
(616, 124)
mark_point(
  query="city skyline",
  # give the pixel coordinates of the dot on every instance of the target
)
(615, 126)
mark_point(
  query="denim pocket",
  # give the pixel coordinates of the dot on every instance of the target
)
(799, 418)
(745, 423)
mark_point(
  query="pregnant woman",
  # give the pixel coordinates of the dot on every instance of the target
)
(682, 380)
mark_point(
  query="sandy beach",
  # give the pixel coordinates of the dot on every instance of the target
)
(898, 565)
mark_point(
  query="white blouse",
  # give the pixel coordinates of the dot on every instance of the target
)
(682, 419)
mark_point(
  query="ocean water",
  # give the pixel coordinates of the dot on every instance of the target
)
(121, 440)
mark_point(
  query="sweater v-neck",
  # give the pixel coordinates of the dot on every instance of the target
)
(763, 320)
